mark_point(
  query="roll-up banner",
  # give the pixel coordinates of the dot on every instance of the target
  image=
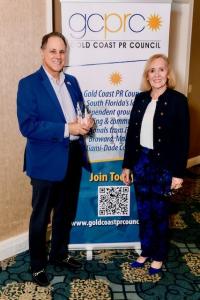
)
(109, 43)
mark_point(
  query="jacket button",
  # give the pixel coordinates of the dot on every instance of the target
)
(137, 150)
(159, 140)
(139, 110)
(136, 123)
(165, 103)
(162, 113)
(137, 136)
(159, 127)
(158, 153)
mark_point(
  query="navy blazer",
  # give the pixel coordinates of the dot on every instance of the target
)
(170, 131)
(42, 122)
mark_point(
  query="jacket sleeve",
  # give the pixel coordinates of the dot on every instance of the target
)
(181, 138)
(30, 123)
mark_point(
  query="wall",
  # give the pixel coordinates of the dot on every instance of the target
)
(194, 80)
(22, 24)
(185, 23)
(180, 41)
(57, 15)
(184, 54)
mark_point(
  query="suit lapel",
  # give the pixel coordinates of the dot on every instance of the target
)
(47, 85)
(71, 91)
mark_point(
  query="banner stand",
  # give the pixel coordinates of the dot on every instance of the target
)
(90, 247)
(109, 43)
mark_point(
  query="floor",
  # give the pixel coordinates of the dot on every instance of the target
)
(109, 276)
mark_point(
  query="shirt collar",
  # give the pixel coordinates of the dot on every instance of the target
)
(51, 78)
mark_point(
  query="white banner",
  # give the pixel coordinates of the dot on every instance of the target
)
(109, 43)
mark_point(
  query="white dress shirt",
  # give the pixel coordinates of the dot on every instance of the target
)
(65, 101)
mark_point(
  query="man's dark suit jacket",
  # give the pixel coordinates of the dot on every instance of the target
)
(42, 122)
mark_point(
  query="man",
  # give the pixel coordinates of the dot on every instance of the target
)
(54, 155)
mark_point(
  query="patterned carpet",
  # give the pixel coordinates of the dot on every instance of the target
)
(108, 275)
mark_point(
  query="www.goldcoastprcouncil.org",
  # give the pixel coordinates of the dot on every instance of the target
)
(100, 222)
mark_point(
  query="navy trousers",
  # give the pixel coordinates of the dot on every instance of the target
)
(60, 199)
(152, 184)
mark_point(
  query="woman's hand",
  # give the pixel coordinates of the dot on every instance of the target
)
(176, 183)
(126, 176)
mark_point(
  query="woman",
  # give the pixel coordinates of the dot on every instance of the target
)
(156, 153)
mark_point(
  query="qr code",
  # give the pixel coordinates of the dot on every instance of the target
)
(113, 201)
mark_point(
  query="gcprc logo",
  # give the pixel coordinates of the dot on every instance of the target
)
(81, 24)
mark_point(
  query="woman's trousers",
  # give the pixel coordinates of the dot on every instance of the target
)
(152, 185)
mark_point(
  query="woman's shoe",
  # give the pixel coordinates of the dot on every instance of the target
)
(137, 264)
(153, 271)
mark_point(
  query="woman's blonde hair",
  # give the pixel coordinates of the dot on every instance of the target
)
(171, 81)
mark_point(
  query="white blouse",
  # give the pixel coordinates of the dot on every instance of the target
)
(146, 133)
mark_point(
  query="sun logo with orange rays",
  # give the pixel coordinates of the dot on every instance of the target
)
(115, 78)
(154, 22)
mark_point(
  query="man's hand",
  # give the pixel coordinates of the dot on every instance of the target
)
(80, 127)
(126, 176)
(88, 121)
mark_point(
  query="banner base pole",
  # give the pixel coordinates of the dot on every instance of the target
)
(89, 254)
